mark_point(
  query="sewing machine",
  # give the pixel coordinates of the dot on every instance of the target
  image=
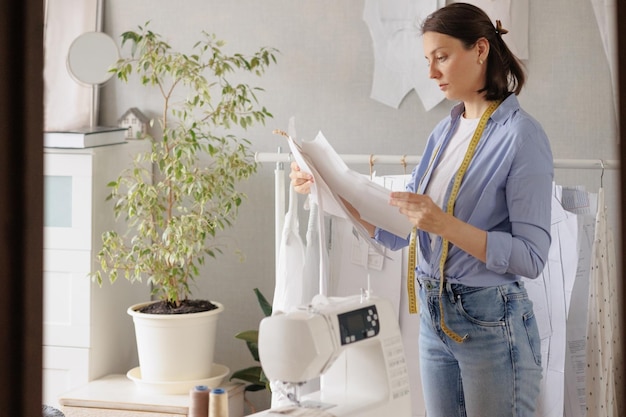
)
(353, 344)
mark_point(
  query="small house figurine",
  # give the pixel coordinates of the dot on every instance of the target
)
(136, 122)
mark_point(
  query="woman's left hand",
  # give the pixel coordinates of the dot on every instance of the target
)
(427, 216)
(420, 210)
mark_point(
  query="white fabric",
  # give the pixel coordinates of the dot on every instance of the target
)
(288, 287)
(550, 301)
(449, 163)
(604, 357)
(289, 274)
(450, 160)
(312, 259)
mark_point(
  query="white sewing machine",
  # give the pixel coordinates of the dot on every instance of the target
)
(353, 343)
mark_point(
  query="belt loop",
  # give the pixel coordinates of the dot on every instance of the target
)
(450, 292)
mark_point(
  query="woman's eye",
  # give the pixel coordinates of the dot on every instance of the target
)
(440, 58)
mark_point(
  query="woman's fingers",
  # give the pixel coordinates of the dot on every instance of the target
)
(419, 209)
(300, 180)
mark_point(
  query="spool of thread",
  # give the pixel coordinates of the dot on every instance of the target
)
(199, 401)
(218, 403)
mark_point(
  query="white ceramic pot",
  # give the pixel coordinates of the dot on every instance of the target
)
(175, 347)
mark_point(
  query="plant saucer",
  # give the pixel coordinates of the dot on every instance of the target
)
(218, 372)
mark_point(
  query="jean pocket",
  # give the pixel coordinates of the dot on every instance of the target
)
(484, 307)
(532, 331)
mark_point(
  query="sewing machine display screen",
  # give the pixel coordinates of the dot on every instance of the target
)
(358, 324)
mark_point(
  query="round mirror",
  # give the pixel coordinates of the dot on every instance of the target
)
(90, 57)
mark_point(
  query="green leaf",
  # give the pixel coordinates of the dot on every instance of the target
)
(253, 347)
(251, 375)
(265, 305)
(248, 336)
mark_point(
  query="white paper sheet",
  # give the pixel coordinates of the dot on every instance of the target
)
(333, 179)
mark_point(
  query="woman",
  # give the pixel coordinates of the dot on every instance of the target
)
(481, 208)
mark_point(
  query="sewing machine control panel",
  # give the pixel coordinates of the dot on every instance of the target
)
(358, 324)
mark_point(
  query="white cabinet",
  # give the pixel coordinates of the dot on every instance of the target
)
(87, 333)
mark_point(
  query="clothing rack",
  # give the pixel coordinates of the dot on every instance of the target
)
(280, 158)
(374, 159)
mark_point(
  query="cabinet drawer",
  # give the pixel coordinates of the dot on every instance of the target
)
(67, 201)
(67, 298)
(64, 369)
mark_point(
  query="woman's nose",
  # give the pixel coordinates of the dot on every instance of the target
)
(432, 71)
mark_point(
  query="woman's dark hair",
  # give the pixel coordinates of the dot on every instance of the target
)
(468, 23)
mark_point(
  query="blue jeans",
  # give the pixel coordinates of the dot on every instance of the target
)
(496, 371)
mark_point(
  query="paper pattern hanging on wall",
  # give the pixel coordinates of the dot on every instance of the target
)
(399, 65)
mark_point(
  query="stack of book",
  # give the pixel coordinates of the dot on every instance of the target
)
(86, 137)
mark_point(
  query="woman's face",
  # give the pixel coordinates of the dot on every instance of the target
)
(458, 71)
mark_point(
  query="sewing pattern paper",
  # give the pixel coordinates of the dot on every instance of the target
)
(399, 64)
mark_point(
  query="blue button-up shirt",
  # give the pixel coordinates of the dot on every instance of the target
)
(506, 191)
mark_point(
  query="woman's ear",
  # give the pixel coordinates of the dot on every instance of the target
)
(482, 48)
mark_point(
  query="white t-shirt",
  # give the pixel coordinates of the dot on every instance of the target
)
(450, 162)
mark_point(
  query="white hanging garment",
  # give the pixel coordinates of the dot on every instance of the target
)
(604, 358)
(288, 287)
(312, 259)
(550, 300)
(289, 276)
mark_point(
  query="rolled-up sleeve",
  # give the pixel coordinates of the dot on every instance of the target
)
(524, 251)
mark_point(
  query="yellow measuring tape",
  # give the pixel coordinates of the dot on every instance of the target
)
(469, 154)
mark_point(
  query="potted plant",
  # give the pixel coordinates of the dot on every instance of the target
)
(182, 193)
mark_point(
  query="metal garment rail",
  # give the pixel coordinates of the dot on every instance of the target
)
(280, 158)
(414, 159)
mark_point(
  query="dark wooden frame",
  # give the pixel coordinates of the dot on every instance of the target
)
(21, 200)
(21, 206)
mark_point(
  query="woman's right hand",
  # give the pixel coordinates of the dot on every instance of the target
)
(301, 181)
